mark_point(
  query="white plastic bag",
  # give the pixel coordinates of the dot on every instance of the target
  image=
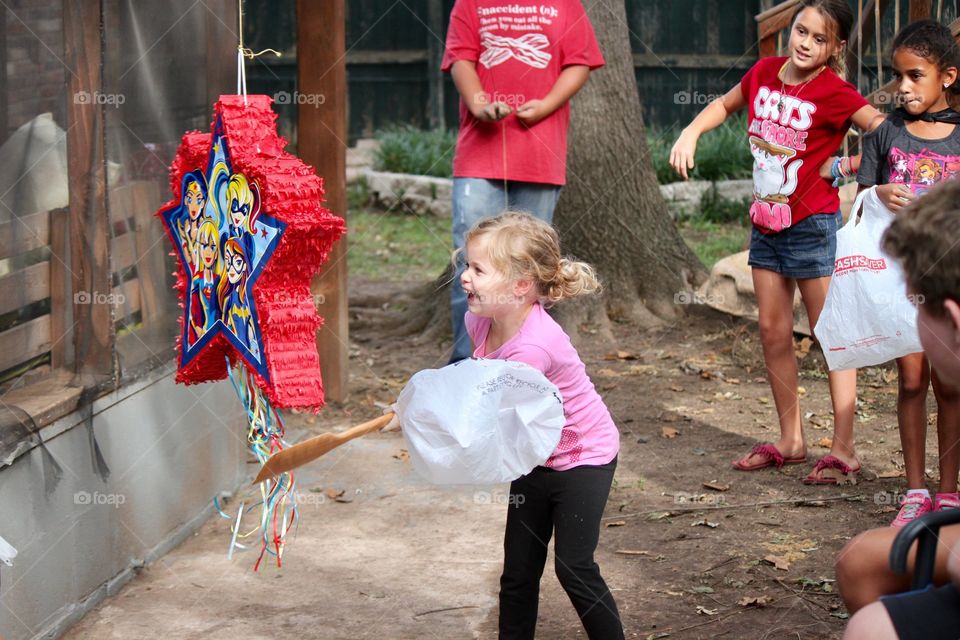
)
(867, 318)
(479, 421)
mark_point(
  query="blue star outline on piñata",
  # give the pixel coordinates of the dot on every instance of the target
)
(224, 242)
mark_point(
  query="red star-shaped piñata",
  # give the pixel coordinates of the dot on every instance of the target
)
(250, 231)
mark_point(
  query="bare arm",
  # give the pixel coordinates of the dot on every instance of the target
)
(568, 83)
(685, 148)
(465, 78)
(867, 118)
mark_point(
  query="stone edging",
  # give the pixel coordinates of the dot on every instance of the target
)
(422, 195)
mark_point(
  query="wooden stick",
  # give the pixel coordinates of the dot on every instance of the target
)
(309, 450)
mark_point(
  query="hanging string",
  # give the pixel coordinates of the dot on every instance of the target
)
(244, 52)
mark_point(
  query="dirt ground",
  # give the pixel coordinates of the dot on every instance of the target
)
(749, 556)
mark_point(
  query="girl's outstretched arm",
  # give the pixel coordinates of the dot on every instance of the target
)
(867, 118)
(685, 148)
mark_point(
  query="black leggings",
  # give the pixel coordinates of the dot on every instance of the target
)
(571, 504)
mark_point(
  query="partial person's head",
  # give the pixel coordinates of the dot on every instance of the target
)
(514, 259)
(925, 239)
(818, 34)
(925, 62)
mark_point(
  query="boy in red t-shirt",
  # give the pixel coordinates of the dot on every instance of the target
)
(516, 65)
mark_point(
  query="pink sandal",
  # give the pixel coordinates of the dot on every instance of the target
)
(830, 462)
(771, 458)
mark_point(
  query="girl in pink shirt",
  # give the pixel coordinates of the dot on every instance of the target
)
(513, 271)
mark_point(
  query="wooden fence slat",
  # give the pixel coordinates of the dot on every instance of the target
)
(151, 245)
(20, 235)
(24, 287)
(126, 299)
(24, 342)
(61, 304)
(123, 252)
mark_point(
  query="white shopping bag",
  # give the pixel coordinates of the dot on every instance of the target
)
(867, 318)
(480, 421)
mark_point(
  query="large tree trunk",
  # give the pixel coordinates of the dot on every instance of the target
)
(611, 213)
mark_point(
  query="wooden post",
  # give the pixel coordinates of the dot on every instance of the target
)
(322, 143)
(920, 9)
(94, 333)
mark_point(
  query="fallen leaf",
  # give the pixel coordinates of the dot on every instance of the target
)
(670, 416)
(705, 523)
(707, 612)
(617, 523)
(677, 388)
(659, 515)
(333, 494)
(756, 601)
(701, 589)
(892, 474)
(826, 443)
(621, 355)
(608, 373)
(716, 486)
(802, 348)
(778, 562)
(402, 456)
(632, 552)
(669, 432)
(732, 380)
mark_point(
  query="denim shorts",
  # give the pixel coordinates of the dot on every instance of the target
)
(805, 250)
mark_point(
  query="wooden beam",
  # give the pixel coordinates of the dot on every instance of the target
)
(61, 307)
(24, 342)
(865, 30)
(322, 143)
(25, 286)
(770, 23)
(920, 9)
(94, 333)
(21, 234)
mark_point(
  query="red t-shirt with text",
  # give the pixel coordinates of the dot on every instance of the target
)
(520, 48)
(793, 130)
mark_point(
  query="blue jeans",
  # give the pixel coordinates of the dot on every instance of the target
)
(478, 198)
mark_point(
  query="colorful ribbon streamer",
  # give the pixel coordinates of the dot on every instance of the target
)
(278, 502)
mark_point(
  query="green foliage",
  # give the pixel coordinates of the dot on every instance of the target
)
(722, 154)
(714, 208)
(407, 149)
(397, 246)
(712, 241)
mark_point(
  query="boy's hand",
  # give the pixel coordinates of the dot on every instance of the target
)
(533, 111)
(682, 154)
(492, 112)
(826, 169)
(895, 196)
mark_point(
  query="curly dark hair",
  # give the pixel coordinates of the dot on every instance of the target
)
(932, 41)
